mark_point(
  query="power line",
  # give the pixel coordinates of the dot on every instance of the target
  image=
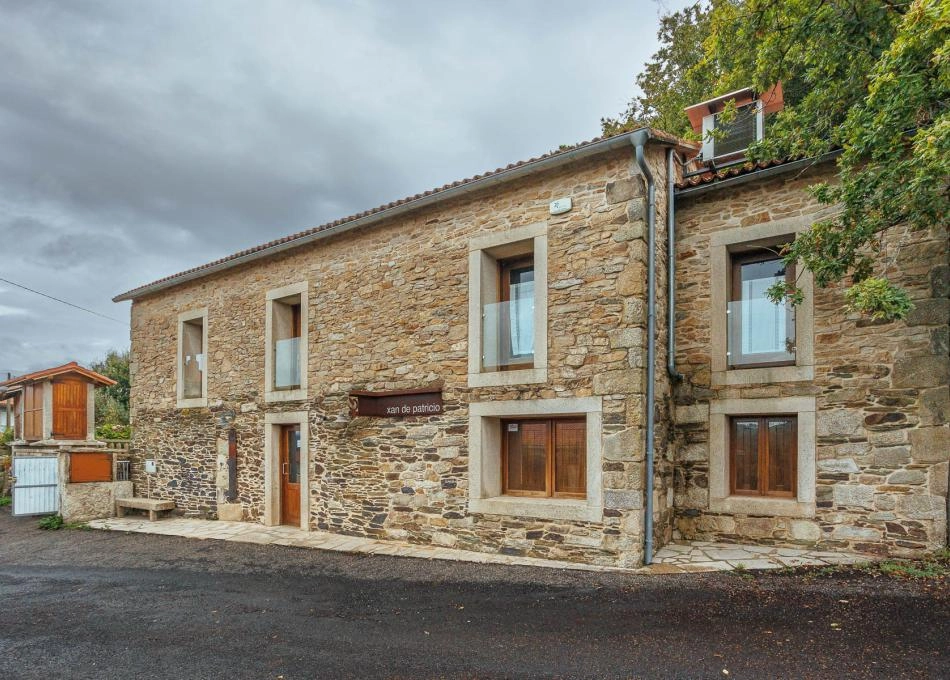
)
(89, 311)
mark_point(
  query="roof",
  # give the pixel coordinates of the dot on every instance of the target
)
(445, 192)
(47, 373)
(711, 176)
(732, 173)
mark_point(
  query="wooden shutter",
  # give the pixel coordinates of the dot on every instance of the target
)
(526, 463)
(33, 412)
(69, 409)
(570, 458)
(744, 446)
(545, 457)
(763, 455)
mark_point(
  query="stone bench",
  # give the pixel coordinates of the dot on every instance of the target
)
(153, 505)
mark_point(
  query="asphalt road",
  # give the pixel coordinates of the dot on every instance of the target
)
(94, 604)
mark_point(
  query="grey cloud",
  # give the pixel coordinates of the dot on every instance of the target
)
(140, 139)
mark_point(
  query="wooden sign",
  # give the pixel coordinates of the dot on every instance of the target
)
(422, 401)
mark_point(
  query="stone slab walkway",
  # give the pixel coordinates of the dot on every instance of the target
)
(706, 556)
(672, 559)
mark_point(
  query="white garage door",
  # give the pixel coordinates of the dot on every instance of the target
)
(35, 491)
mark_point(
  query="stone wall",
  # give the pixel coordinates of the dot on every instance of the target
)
(881, 390)
(388, 311)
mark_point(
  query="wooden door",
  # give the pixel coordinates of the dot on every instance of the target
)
(290, 475)
(69, 409)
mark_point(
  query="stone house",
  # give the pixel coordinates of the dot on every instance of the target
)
(487, 366)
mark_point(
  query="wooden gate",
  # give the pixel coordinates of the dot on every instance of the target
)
(36, 488)
(69, 409)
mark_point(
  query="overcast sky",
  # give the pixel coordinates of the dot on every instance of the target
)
(138, 139)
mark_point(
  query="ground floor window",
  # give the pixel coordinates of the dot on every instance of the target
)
(763, 454)
(544, 457)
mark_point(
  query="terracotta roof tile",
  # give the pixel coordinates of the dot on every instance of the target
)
(71, 367)
(711, 176)
(654, 134)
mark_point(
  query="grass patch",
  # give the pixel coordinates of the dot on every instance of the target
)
(55, 522)
(51, 523)
(5, 500)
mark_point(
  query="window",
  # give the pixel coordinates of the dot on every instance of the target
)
(795, 361)
(287, 344)
(550, 468)
(508, 307)
(761, 333)
(285, 338)
(193, 359)
(763, 452)
(731, 139)
(545, 458)
(508, 342)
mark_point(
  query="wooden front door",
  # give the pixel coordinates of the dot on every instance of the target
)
(290, 475)
(69, 409)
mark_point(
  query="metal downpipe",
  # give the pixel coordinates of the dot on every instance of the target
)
(671, 270)
(639, 141)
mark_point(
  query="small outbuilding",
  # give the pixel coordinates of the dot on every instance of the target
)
(58, 465)
(55, 405)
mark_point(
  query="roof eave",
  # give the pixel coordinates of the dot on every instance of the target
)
(726, 182)
(510, 174)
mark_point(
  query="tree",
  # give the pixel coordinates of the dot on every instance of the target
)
(112, 403)
(675, 77)
(876, 84)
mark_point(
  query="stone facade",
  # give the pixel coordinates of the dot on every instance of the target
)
(880, 390)
(386, 310)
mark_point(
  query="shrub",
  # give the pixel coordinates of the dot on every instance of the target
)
(52, 522)
(114, 432)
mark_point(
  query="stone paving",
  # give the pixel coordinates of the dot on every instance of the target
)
(693, 557)
(707, 556)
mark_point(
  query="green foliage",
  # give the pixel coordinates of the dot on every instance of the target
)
(113, 431)
(875, 79)
(879, 299)
(870, 78)
(7, 436)
(675, 77)
(112, 403)
(5, 501)
(51, 522)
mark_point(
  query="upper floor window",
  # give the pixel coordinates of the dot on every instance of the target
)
(761, 333)
(507, 307)
(508, 341)
(287, 344)
(285, 365)
(193, 358)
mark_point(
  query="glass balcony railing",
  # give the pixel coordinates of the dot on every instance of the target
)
(760, 332)
(287, 364)
(193, 366)
(508, 330)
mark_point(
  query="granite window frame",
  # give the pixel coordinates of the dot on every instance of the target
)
(722, 245)
(485, 459)
(485, 255)
(273, 297)
(720, 498)
(181, 400)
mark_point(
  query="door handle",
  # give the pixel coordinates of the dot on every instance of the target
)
(283, 469)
